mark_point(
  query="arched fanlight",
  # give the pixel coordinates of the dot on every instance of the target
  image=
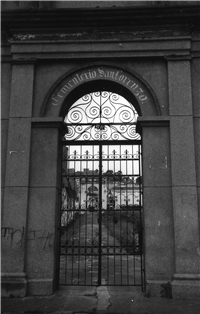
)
(101, 116)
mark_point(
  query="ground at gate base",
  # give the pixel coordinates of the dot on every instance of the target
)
(99, 300)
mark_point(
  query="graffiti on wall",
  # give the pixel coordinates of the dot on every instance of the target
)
(21, 236)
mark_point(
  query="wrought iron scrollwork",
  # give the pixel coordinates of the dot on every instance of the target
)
(101, 116)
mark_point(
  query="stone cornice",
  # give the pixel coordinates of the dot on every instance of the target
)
(95, 4)
(95, 49)
(114, 17)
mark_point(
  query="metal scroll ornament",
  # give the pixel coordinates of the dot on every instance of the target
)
(101, 116)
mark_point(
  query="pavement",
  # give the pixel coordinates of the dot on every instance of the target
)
(98, 300)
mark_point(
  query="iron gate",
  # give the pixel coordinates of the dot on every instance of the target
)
(101, 212)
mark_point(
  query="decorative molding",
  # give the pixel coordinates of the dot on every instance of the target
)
(47, 122)
(186, 276)
(157, 121)
(178, 58)
(126, 35)
(23, 61)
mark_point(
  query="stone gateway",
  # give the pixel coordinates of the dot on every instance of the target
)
(100, 146)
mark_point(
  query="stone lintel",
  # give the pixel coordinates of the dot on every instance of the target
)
(89, 55)
(87, 48)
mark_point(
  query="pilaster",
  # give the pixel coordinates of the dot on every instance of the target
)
(185, 284)
(44, 210)
(17, 181)
(157, 196)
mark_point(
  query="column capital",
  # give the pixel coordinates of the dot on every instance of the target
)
(50, 123)
(178, 58)
(152, 122)
(24, 61)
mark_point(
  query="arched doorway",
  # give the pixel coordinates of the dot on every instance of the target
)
(101, 208)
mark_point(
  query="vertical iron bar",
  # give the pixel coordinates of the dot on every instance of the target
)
(73, 182)
(141, 244)
(127, 215)
(121, 245)
(107, 222)
(107, 200)
(114, 221)
(85, 216)
(85, 220)
(66, 231)
(100, 209)
(115, 211)
(133, 215)
(59, 231)
(65, 236)
(92, 233)
(60, 235)
(79, 225)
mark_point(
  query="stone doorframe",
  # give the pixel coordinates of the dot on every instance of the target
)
(156, 164)
(170, 196)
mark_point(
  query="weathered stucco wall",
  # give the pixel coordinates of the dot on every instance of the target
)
(45, 76)
(155, 73)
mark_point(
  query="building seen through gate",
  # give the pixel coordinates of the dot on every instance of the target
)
(101, 209)
(100, 146)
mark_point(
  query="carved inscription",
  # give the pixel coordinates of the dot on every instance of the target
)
(18, 236)
(99, 73)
